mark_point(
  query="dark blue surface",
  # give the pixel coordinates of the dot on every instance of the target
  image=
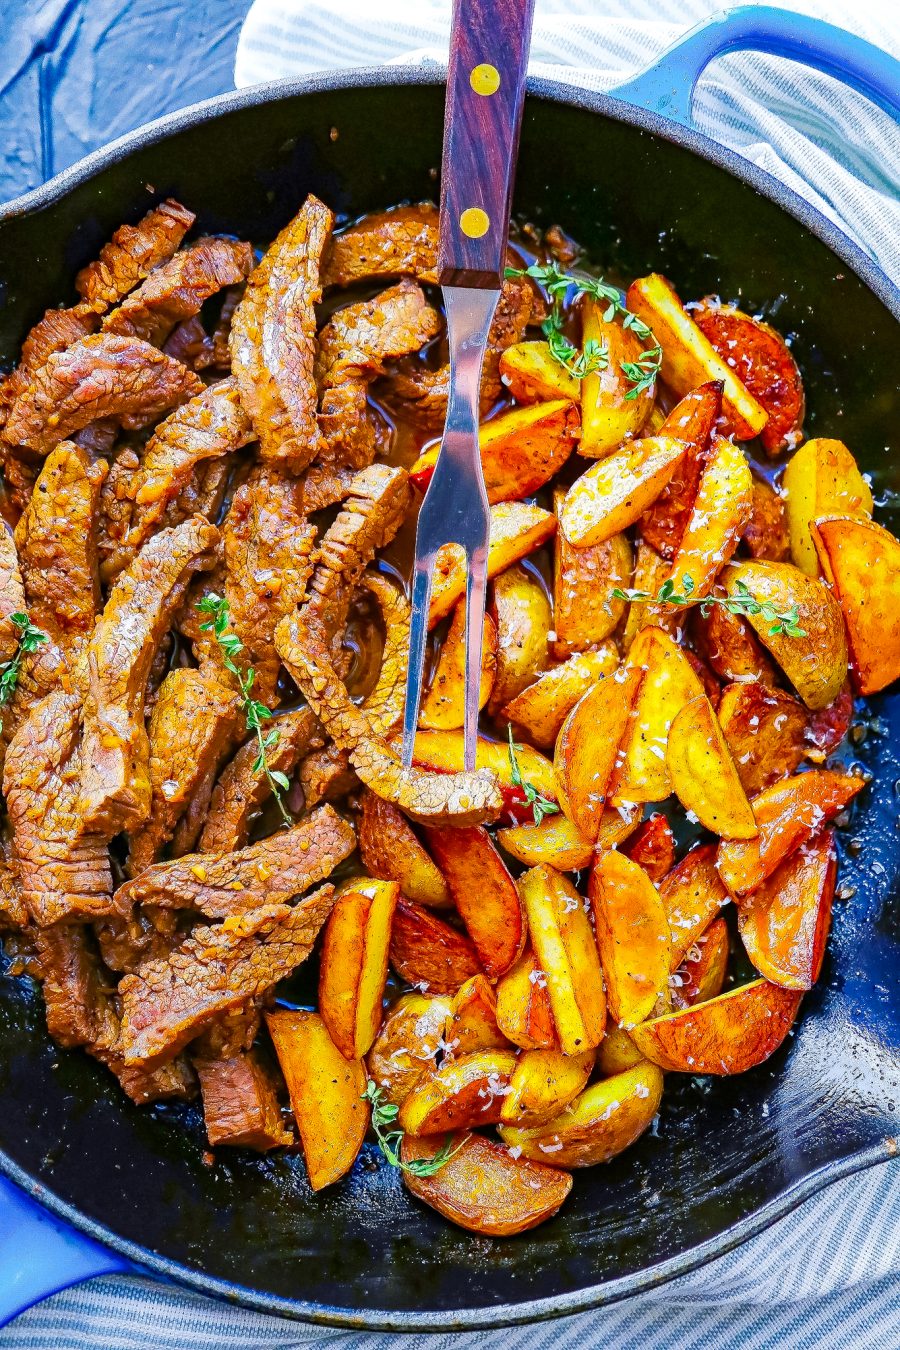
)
(75, 74)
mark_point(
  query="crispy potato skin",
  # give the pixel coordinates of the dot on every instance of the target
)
(588, 745)
(765, 730)
(722, 510)
(704, 775)
(559, 843)
(426, 951)
(466, 1091)
(652, 847)
(532, 375)
(667, 682)
(542, 708)
(543, 1084)
(608, 415)
(521, 613)
(584, 610)
(564, 946)
(615, 491)
(730, 647)
(390, 849)
(724, 1035)
(766, 535)
(524, 1014)
(650, 571)
(407, 1045)
(701, 974)
(862, 560)
(692, 895)
(354, 965)
(472, 1020)
(692, 420)
(784, 922)
(632, 937)
(617, 1051)
(821, 479)
(484, 893)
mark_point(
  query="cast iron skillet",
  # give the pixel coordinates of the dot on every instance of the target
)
(730, 1156)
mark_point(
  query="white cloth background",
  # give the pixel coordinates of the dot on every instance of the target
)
(828, 1276)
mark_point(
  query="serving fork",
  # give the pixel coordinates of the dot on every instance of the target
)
(489, 46)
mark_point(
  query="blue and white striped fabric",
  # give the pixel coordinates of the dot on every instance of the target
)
(828, 1276)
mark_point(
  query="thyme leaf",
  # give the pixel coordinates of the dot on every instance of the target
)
(384, 1115)
(785, 622)
(541, 806)
(29, 639)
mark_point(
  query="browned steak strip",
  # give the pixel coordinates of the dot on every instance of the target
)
(273, 339)
(100, 376)
(242, 789)
(13, 914)
(116, 790)
(398, 243)
(268, 561)
(240, 1106)
(58, 329)
(132, 253)
(193, 714)
(116, 509)
(221, 352)
(127, 941)
(231, 1033)
(168, 1003)
(76, 995)
(203, 493)
(272, 871)
(325, 775)
(190, 344)
(179, 288)
(12, 594)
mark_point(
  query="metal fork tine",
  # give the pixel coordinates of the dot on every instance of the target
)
(418, 633)
(476, 590)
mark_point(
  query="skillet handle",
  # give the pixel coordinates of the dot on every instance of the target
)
(667, 86)
(39, 1256)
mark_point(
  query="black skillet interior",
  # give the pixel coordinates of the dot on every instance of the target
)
(728, 1154)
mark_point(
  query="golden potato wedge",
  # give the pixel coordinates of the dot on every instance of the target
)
(610, 412)
(485, 1190)
(521, 612)
(704, 775)
(821, 479)
(826, 728)
(614, 492)
(701, 974)
(862, 560)
(354, 964)
(443, 751)
(788, 814)
(443, 706)
(652, 846)
(407, 1045)
(667, 682)
(722, 508)
(632, 937)
(428, 952)
(532, 375)
(763, 363)
(692, 420)
(524, 1014)
(326, 1091)
(517, 529)
(484, 893)
(816, 663)
(561, 844)
(617, 1051)
(730, 647)
(465, 1091)
(689, 358)
(603, 1121)
(692, 895)
(766, 535)
(564, 946)
(728, 1034)
(650, 571)
(390, 849)
(587, 748)
(543, 1083)
(472, 1020)
(784, 923)
(584, 608)
(541, 709)
(765, 730)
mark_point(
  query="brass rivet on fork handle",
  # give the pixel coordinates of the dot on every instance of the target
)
(482, 120)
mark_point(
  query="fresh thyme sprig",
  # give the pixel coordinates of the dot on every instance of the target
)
(641, 374)
(255, 713)
(541, 806)
(742, 602)
(384, 1114)
(29, 639)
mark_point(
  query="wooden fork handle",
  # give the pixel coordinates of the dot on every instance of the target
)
(489, 47)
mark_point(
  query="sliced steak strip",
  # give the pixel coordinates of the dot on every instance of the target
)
(193, 715)
(240, 1105)
(398, 243)
(326, 775)
(179, 288)
(243, 789)
(13, 914)
(97, 377)
(58, 329)
(116, 510)
(132, 253)
(190, 344)
(271, 872)
(168, 1003)
(116, 789)
(12, 594)
(76, 994)
(232, 1033)
(273, 339)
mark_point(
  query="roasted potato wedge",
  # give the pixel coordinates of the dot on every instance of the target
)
(692, 895)
(588, 745)
(689, 358)
(615, 491)
(564, 946)
(652, 846)
(521, 613)
(484, 1189)
(617, 1051)
(763, 363)
(816, 663)
(722, 508)
(667, 683)
(326, 1091)
(610, 411)
(603, 1121)
(784, 922)
(524, 1014)
(465, 1091)
(541, 709)
(443, 706)
(543, 1083)
(730, 647)
(692, 420)
(443, 751)
(788, 814)
(766, 535)
(724, 1035)
(701, 975)
(517, 529)
(428, 952)
(632, 936)
(704, 775)
(650, 571)
(472, 1020)
(765, 730)
(354, 964)
(390, 849)
(821, 479)
(407, 1045)
(584, 608)
(532, 375)
(484, 893)
(559, 843)
(862, 561)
